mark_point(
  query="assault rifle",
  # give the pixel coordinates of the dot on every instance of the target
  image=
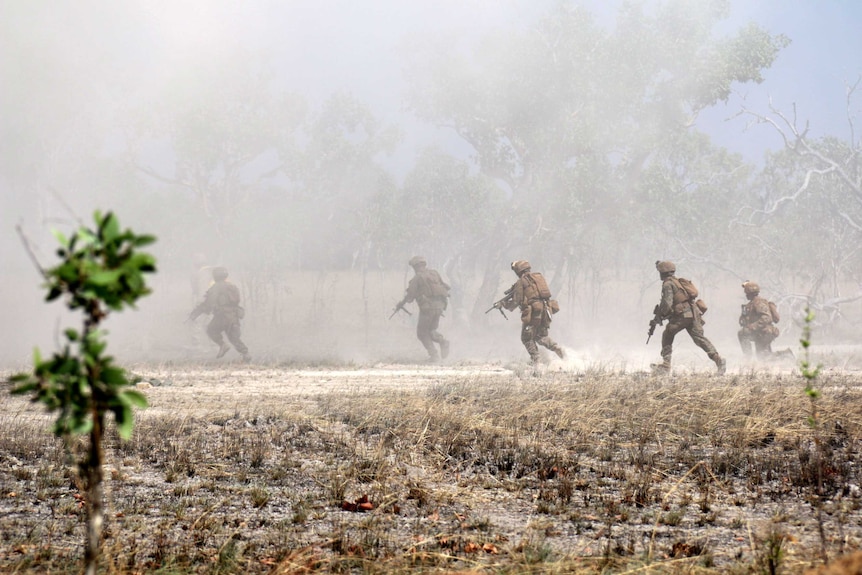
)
(507, 295)
(398, 308)
(656, 320)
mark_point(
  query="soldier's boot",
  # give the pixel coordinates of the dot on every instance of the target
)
(720, 364)
(535, 359)
(222, 350)
(559, 351)
(786, 353)
(662, 368)
(444, 348)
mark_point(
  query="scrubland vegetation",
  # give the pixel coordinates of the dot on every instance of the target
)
(509, 472)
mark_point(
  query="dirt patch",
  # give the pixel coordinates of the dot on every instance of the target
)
(398, 468)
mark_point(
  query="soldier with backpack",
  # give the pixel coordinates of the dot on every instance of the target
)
(683, 311)
(431, 294)
(757, 324)
(531, 294)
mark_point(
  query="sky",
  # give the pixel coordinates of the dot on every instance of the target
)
(333, 45)
(824, 54)
(325, 46)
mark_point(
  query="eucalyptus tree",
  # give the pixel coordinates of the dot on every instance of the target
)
(803, 224)
(219, 131)
(568, 115)
(442, 211)
(334, 175)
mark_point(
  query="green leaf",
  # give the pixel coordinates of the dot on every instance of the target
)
(114, 376)
(110, 227)
(144, 240)
(104, 278)
(81, 426)
(135, 398)
(61, 238)
(125, 421)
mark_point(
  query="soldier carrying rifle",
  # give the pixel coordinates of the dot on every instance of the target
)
(532, 295)
(680, 306)
(431, 293)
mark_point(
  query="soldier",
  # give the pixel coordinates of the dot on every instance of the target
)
(679, 308)
(531, 294)
(757, 319)
(222, 301)
(431, 294)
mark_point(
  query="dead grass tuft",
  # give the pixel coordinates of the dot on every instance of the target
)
(563, 473)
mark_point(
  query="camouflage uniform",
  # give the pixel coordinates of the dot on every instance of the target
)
(430, 293)
(222, 301)
(756, 322)
(682, 314)
(535, 311)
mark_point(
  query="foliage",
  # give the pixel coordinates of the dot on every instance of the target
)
(100, 270)
(809, 372)
(575, 119)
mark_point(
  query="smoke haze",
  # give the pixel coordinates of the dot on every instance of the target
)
(313, 148)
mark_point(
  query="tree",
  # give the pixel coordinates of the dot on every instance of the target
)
(225, 125)
(100, 271)
(805, 215)
(568, 116)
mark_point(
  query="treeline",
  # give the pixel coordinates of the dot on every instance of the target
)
(585, 157)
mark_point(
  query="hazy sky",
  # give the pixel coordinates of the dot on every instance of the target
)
(331, 45)
(325, 46)
(826, 51)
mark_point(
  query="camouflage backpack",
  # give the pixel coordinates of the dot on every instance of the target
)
(691, 290)
(544, 291)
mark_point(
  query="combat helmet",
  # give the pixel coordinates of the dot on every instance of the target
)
(750, 288)
(417, 261)
(520, 266)
(220, 273)
(665, 267)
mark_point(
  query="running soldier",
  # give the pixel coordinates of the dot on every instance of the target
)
(678, 306)
(531, 294)
(222, 301)
(431, 294)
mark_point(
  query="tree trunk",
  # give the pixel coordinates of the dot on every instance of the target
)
(94, 497)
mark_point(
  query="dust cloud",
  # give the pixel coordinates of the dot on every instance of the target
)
(313, 148)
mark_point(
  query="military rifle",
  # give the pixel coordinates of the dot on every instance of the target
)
(656, 320)
(507, 295)
(398, 308)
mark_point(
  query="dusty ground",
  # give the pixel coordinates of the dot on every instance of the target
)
(248, 468)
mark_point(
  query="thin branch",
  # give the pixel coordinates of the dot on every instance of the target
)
(29, 250)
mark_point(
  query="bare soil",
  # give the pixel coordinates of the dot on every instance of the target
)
(471, 467)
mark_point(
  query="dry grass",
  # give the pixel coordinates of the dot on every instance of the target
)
(564, 473)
